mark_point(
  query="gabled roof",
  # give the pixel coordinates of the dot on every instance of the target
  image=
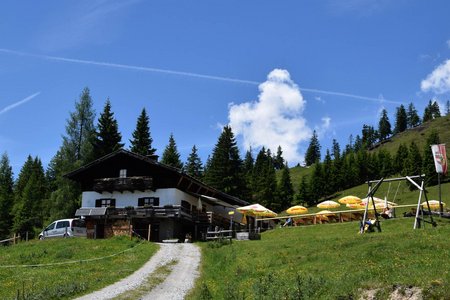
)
(138, 165)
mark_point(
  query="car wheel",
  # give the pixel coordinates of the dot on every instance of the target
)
(41, 237)
(65, 235)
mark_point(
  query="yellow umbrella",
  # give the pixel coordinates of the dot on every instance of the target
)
(349, 200)
(256, 210)
(378, 200)
(434, 204)
(328, 204)
(362, 205)
(296, 210)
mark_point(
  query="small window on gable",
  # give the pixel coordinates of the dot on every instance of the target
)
(123, 173)
(148, 201)
(105, 202)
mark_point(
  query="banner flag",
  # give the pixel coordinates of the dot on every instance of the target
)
(440, 158)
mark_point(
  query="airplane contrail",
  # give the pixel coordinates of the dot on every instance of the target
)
(14, 105)
(182, 73)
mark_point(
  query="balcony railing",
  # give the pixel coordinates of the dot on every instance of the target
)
(123, 184)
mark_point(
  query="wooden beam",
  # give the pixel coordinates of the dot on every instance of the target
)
(179, 181)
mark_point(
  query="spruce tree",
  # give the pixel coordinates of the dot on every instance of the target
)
(108, 138)
(435, 110)
(384, 126)
(428, 167)
(30, 193)
(142, 141)
(194, 165)
(385, 163)
(303, 196)
(6, 197)
(401, 159)
(447, 108)
(264, 180)
(413, 118)
(248, 166)
(401, 120)
(413, 164)
(428, 112)
(279, 160)
(369, 137)
(313, 152)
(336, 150)
(225, 169)
(328, 176)
(171, 156)
(285, 191)
(317, 183)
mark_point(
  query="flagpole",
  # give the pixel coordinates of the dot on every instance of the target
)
(441, 208)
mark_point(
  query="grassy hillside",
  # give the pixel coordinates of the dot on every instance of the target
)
(419, 135)
(329, 261)
(66, 281)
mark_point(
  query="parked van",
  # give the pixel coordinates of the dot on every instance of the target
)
(64, 228)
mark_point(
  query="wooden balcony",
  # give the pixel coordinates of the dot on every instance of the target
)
(122, 184)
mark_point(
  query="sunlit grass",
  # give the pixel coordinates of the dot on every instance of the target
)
(328, 262)
(65, 281)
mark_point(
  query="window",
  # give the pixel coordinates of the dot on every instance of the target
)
(123, 173)
(148, 201)
(105, 202)
(51, 226)
(62, 224)
(185, 204)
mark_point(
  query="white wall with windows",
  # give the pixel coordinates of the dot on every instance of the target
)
(170, 196)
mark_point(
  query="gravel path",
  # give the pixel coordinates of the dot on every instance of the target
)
(175, 286)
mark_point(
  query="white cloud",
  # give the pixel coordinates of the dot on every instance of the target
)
(275, 118)
(438, 81)
(324, 127)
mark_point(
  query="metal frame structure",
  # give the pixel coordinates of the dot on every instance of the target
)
(421, 188)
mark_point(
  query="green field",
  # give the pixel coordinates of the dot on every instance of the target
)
(329, 261)
(67, 280)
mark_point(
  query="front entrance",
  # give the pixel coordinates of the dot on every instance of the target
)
(142, 227)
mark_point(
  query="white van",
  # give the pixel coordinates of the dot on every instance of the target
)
(64, 228)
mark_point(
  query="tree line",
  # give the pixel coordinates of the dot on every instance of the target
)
(38, 196)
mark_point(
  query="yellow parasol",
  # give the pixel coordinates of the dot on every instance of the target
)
(256, 210)
(434, 204)
(328, 204)
(349, 200)
(378, 200)
(297, 210)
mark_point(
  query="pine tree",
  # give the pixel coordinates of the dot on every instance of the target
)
(285, 191)
(248, 166)
(108, 138)
(142, 142)
(30, 193)
(369, 137)
(171, 156)
(447, 108)
(225, 169)
(194, 165)
(328, 177)
(428, 167)
(400, 159)
(279, 160)
(317, 183)
(336, 150)
(264, 181)
(401, 120)
(385, 163)
(303, 196)
(384, 126)
(413, 164)
(6, 197)
(313, 152)
(435, 110)
(413, 118)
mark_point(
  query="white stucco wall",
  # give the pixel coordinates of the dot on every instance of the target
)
(171, 196)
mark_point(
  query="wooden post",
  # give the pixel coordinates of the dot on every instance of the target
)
(26, 236)
(149, 232)
(14, 239)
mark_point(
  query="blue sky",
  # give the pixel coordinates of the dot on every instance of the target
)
(274, 70)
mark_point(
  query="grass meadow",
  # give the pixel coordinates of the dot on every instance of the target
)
(68, 280)
(330, 261)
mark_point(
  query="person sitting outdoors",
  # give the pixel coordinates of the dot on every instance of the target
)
(288, 222)
(387, 213)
